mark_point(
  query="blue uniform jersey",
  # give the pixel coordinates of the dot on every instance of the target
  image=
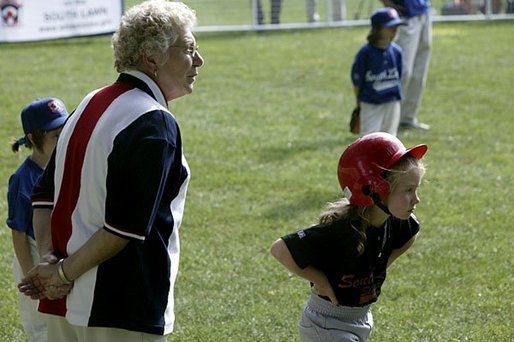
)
(119, 166)
(412, 8)
(377, 72)
(19, 191)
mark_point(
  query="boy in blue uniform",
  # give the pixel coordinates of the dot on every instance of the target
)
(42, 121)
(376, 75)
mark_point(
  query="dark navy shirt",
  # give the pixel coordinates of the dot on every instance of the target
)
(377, 72)
(356, 279)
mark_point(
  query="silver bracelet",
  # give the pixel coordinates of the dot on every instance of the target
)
(62, 276)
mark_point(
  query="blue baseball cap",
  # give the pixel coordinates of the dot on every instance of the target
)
(386, 17)
(45, 114)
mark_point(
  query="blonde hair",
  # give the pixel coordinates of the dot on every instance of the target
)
(343, 210)
(400, 168)
(149, 29)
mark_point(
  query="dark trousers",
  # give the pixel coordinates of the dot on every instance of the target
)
(276, 7)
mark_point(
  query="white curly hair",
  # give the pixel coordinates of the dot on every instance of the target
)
(149, 29)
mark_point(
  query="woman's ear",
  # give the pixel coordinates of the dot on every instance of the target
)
(149, 65)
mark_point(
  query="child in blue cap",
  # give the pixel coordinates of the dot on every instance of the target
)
(42, 121)
(376, 75)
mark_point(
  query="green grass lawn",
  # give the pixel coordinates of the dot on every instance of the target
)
(263, 132)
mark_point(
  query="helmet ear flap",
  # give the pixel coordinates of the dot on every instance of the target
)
(378, 195)
(366, 190)
(377, 189)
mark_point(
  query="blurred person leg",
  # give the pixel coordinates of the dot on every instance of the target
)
(338, 10)
(415, 40)
(312, 13)
(276, 6)
(257, 11)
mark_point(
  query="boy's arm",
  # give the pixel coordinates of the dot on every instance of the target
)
(22, 251)
(321, 284)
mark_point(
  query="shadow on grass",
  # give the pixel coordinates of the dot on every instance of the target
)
(312, 200)
(297, 147)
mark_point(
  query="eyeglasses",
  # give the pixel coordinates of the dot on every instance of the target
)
(191, 50)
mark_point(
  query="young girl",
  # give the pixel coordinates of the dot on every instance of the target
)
(376, 75)
(42, 121)
(346, 255)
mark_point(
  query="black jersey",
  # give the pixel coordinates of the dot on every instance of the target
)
(356, 279)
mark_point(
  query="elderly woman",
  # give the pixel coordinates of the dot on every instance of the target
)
(115, 190)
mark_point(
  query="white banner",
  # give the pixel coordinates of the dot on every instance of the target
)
(29, 20)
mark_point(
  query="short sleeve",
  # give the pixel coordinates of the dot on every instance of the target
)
(405, 230)
(307, 246)
(139, 168)
(18, 217)
(358, 68)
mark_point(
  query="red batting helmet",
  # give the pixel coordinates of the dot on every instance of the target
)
(362, 164)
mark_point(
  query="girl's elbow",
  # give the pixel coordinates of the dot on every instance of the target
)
(276, 248)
